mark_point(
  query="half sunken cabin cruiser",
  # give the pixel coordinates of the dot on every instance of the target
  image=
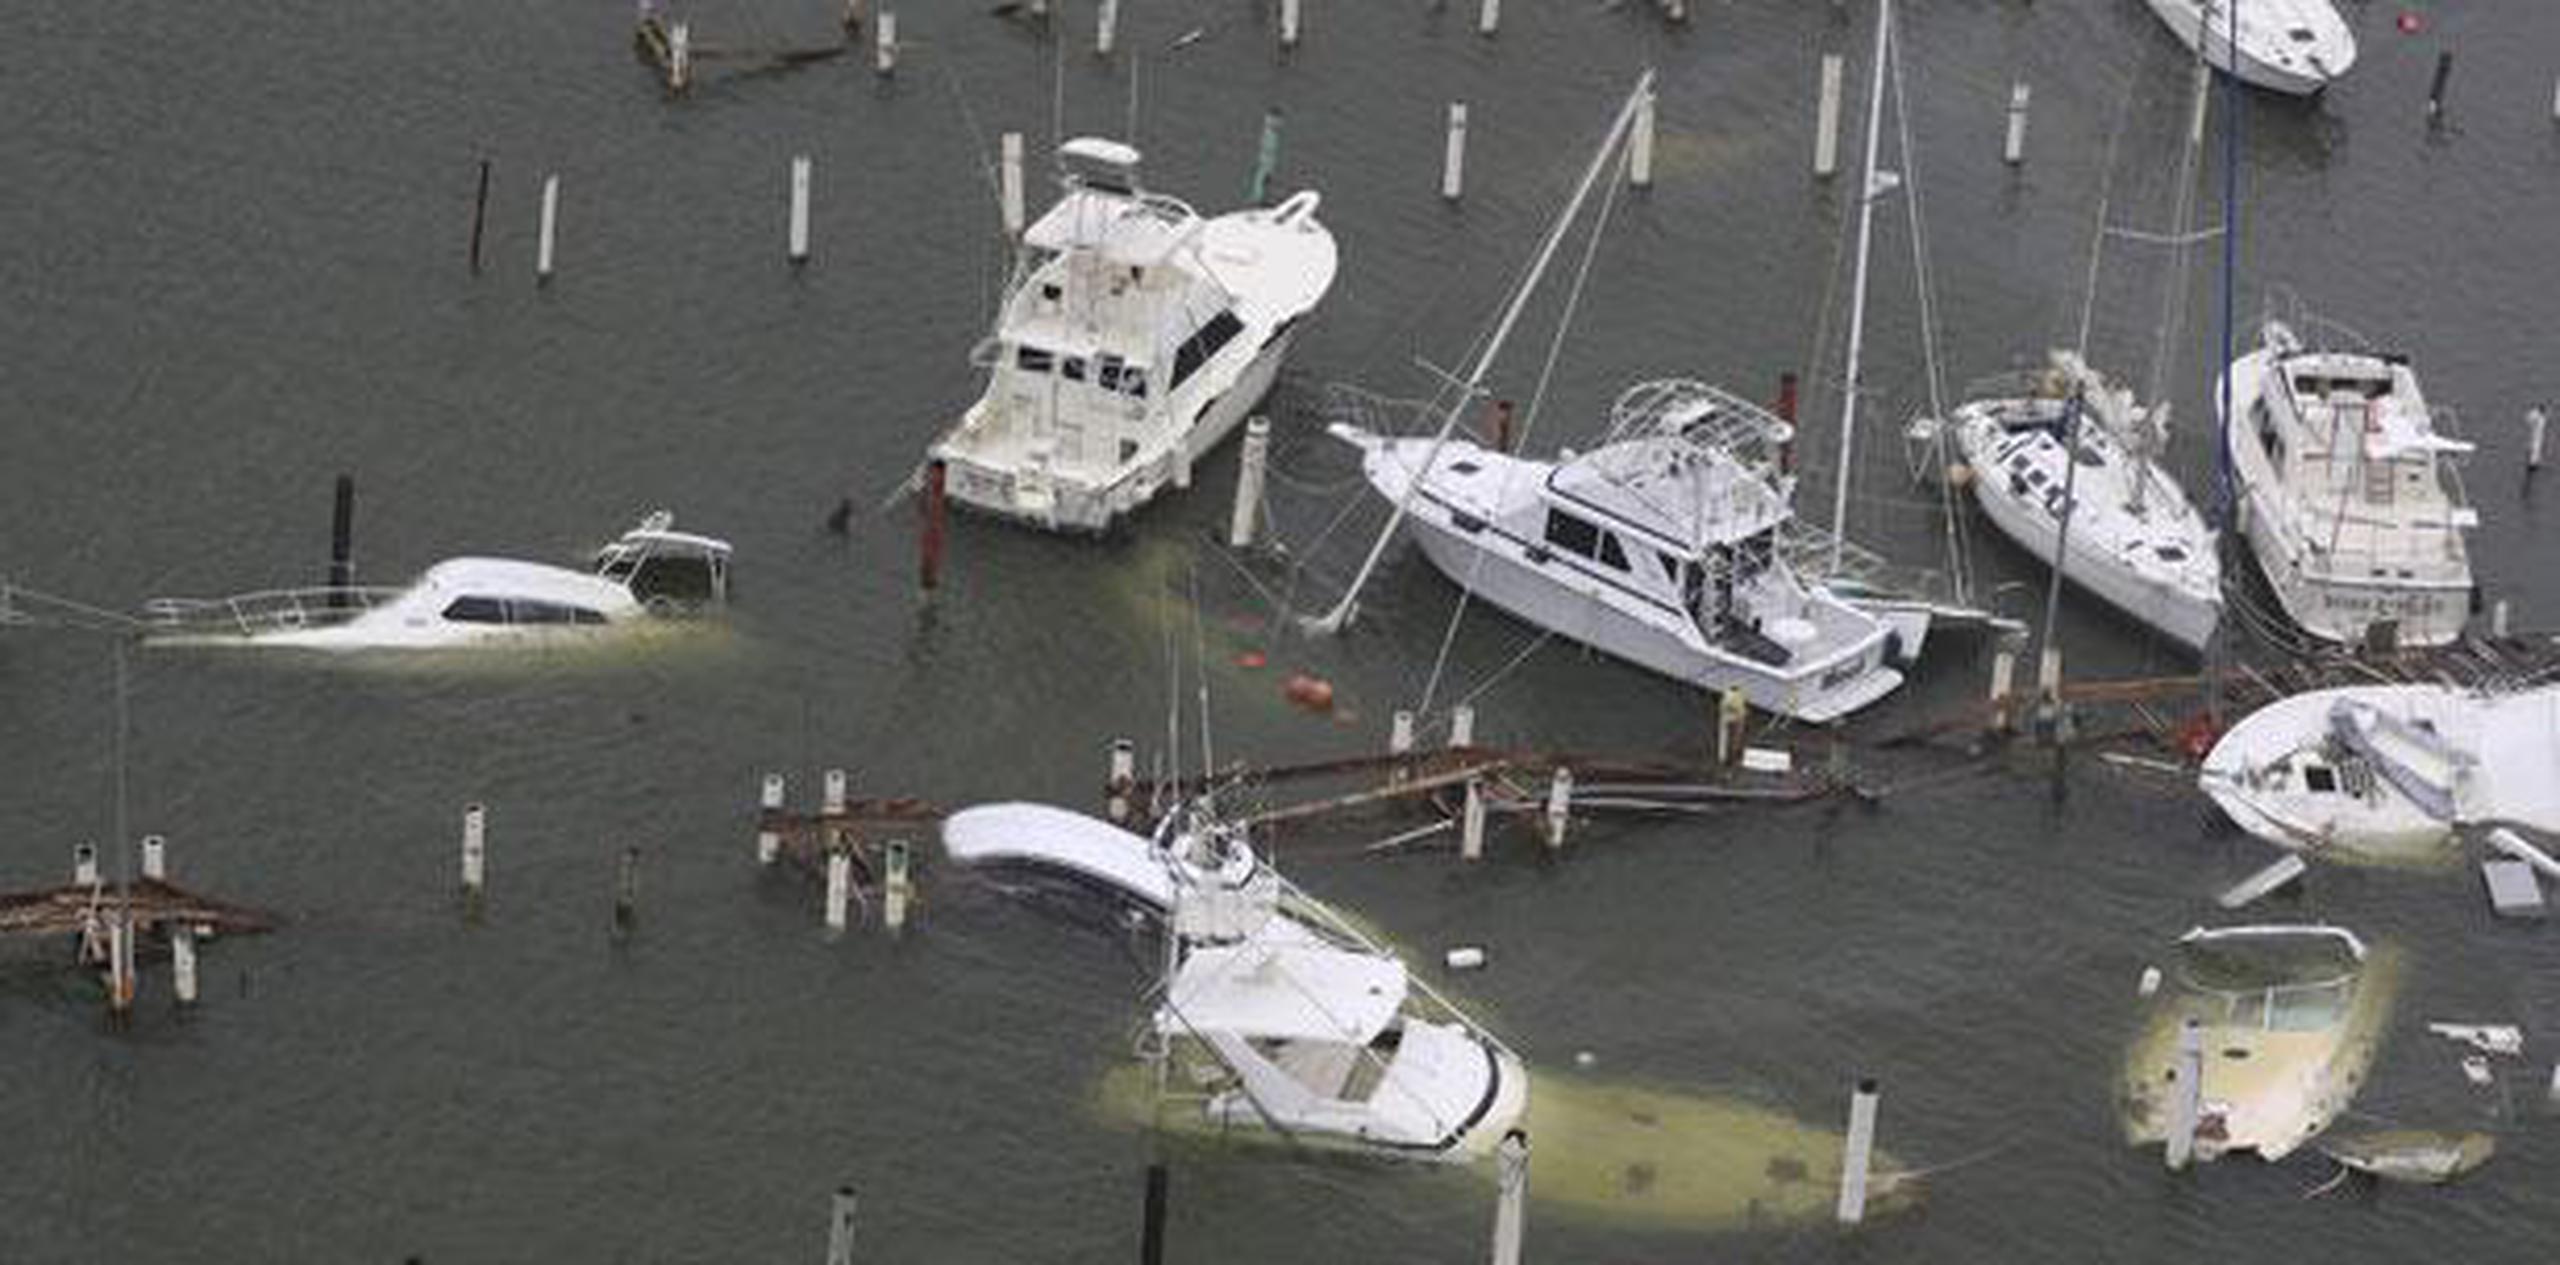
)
(650, 570)
(1138, 336)
(1274, 1013)
(2347, 494)
(1662, 546)
(2291, 46)
(2134, 538)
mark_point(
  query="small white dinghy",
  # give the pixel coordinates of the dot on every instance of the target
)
(2134, 539)
(2389, 772)
(1275, 1014)
(1662, 546)
(2296, 47)
(1136, 338)
(650, 570)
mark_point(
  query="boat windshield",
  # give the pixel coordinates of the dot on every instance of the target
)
(2280, 983)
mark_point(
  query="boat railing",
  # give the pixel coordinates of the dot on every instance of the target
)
(264, 611)
(1704, 417)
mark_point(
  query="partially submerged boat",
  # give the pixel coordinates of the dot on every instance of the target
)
(1138, 335)
(1662, 546)
(653, 570)
(2348, 494)
(2289, 1017)
(2389, 772)
(1275, 1015)
(2134, 539)
(2296, 47)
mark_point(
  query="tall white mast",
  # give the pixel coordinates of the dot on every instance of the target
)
(1333, 620)
(1869, 190)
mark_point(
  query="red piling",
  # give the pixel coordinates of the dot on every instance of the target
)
(1502, 425)
(929, 544)
(1787, 414)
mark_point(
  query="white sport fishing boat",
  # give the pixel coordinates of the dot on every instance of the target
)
(2296, 47)
(2347, 495)
(651, 570)
(2134, 538)
(1661, 546)
(1275, 1014)
(1137, 337)
(2289, 1017)
(2389, 772)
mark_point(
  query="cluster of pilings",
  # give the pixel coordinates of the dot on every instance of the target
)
(110, 921)
(855, 847)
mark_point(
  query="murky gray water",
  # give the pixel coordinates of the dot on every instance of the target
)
(234, 254)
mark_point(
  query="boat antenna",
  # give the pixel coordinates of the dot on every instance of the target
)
(2220, 647)
(1870, 188)
(1959, 563)
(1200, 646)
(1333, 620)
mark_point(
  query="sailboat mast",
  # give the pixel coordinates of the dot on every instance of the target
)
(1334, 619)
(1867, 194)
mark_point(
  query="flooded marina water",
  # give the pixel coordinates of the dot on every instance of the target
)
(237, 269)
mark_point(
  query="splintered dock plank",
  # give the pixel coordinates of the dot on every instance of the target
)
(62, 911)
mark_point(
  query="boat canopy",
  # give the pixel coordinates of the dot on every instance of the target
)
(1284, 992)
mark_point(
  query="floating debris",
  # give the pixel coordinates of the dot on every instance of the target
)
(2488, 1038)
(2420, 1156)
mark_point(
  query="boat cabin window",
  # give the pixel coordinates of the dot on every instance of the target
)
(1464, 467)
(475, 610)
(1610, 554)
(1072, 368)
(1197, 349)
(2170, 553)
(1133, 382)
(1575, 535)
(1031, 359)
(1670, 566)
(1050, 291)
(2319, 778)
(1106, 372)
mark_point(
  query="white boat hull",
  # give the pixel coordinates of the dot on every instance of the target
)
(1819, 692)
(2266, 58)
(2183, 616)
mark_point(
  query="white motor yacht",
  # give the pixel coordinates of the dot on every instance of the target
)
(2289, 1017)
(650, 570)
(1137, 337)
(1275, 1014)
(2295, 47)
(2347, 494)
(2134, 538)
(1661, 546)
(2389, 772)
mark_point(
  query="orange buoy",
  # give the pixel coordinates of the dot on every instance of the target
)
(1312, 693)
(1251, 659)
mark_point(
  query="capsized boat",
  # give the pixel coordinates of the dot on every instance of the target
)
(1662, 546)
(651, 570)
(1275, 1015)
(2289, 1015)
(2348, 495)
(2295, 47)
(2389, 772)
(1138, 335)
(2134, 540)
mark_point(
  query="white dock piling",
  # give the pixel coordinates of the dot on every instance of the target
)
(1559, 806)
(1511, 1173)
(2049, 673)
(1462, 725)
(182, 964)
(475, 848)
(800, 209)
(1489, 17)
(680, 56)
(1733, 712)
(2014, 150)
(84, 864)
(1826, 120)
(1453, 158)
(155, 858)
(1105, 25)
(839, 887)
(885, 46)
(1471, 824)
(1255, 456)
(2555, 117)
(768, 840)
(120, 974)
(840, 1228)
(1009, 185)
(2535, 423)
(1288, 23)
(2186, 1097)
(1122, 776)
(1857, 1150)
(897, 886)
(1640, 147)
(2004, 679)
(1400, 732)
(626, 892)
(835, 792)
(542, 253)
(2498, 618)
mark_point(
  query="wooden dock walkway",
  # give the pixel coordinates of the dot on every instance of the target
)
(157, 906)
